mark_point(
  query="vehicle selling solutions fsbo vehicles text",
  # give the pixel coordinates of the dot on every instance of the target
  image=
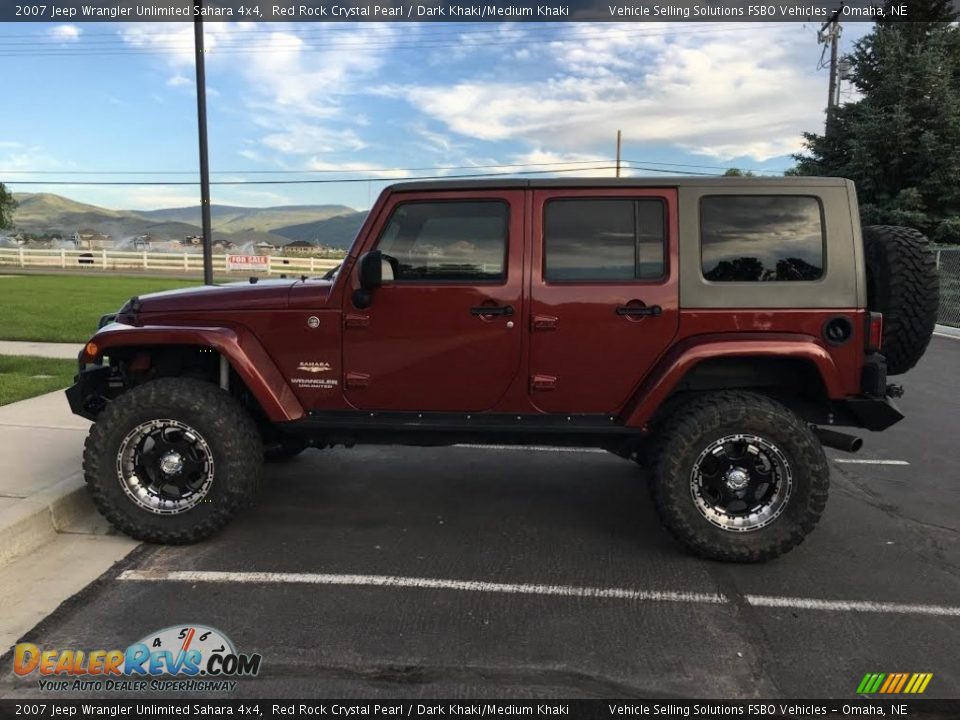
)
(687, 11)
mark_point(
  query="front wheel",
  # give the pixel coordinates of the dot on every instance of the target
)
(738, 477)
(172, 460)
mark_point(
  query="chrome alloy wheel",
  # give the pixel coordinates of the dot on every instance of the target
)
(165, 466)
(741, 483)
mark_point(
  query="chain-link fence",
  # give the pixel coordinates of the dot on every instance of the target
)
(948, 262)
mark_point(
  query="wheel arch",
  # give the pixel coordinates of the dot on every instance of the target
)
(247, 359)
(796, 369)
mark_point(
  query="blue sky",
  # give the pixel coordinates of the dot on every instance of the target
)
(360, 98)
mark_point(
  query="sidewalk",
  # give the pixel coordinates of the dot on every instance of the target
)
(41, 489)
(65, 351)
(52, 541)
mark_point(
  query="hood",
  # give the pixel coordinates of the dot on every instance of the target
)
(262, 295)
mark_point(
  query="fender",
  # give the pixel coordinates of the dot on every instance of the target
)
(241, 348)
(685, 355)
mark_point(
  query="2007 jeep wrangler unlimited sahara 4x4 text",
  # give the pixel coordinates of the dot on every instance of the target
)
(713, 330)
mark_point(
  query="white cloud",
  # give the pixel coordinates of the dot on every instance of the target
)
(296, 85)
(300, 138)
(66, 33)
(367, 169)
(735, 91)
(584, 165)
(179, 80)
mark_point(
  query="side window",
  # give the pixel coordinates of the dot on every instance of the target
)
(587, 240)
(756, 238)
(447, 241)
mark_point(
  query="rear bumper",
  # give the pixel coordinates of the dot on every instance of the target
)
(868, 411)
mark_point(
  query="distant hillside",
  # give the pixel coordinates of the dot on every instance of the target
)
(46, 212)
(337, 232)
(228, 218)
(46, 208)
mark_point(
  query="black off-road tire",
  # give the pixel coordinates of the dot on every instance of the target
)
(224, 424)
(691, 428)
(902, 284)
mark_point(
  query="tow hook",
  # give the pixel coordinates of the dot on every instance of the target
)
(838, 440)
(894, 391)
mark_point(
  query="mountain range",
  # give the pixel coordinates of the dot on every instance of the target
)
(330, 225)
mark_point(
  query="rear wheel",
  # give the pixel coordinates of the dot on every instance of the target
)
(172, 460)
(738, 477)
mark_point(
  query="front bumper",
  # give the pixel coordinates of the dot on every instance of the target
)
(90, 391)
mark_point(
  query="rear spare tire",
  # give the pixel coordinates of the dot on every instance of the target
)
(902, 284)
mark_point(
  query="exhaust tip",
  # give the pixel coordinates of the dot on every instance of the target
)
(839, 440)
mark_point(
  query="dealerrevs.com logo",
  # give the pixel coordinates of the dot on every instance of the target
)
(181, 657)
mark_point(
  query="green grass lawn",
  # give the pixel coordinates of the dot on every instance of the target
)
(22, 377)
(60, 308)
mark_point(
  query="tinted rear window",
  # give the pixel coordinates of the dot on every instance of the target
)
(756, 238)
(590, 240)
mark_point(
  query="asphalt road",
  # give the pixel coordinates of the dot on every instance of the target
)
(523, 532)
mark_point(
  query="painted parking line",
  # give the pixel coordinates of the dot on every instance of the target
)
(858, 461)
(422, 583)
(672, 596)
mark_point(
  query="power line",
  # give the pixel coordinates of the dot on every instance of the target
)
(126, 48)
(708, 167)
(312, 181)
(349, 29)
(328, 171)
(304, 171)
(326, 181)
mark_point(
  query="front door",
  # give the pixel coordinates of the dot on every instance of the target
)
(442, 334)
(604, 294)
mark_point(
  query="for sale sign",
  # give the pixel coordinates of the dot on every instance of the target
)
(253, 263)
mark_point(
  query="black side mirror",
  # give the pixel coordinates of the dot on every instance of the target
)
(371, 270)
(370, 274)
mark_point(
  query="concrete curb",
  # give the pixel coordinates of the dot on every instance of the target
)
(36, 520)
(947, 331)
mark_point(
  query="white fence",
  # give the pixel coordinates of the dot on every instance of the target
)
(93, 260)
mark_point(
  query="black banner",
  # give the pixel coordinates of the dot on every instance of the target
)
(579, 709)
(76, 11)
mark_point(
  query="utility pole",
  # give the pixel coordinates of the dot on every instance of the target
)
(832, 36)
(202, 132)
(618, 153)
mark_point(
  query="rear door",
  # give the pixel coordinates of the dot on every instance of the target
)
(604, 294)
(443, 333)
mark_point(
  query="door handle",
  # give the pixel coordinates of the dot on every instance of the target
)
(506, 310)
(640, 310)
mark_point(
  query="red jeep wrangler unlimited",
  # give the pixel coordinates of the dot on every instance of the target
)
(712, 330)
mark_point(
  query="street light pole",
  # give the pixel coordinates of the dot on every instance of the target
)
(202, 131)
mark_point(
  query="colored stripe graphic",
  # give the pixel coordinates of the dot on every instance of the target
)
(894, 683)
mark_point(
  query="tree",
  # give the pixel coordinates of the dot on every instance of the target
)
(900, 142)
(737, 172)
(7, 206)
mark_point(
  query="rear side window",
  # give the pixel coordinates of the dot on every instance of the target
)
(757, 238)
(598, 240)
(448, 241)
